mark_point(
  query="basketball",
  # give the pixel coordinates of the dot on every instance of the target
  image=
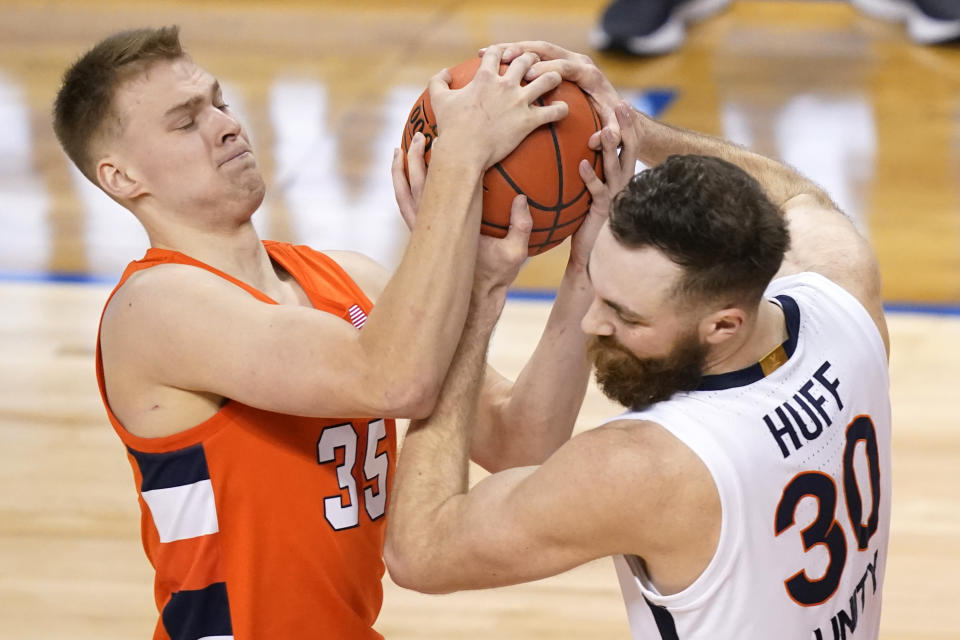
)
(544, 167)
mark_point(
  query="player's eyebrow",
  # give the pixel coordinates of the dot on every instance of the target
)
(623, 311)
(192, 102)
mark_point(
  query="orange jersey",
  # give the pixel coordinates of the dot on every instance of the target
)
(262, 525)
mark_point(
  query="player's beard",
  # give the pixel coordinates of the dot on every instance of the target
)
(637, 383)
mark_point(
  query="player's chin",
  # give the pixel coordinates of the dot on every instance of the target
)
(251, 189)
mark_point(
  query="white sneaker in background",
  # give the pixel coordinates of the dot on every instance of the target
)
(927, 21)
(649, 27)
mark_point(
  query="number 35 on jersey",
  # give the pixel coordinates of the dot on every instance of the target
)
(339, 443)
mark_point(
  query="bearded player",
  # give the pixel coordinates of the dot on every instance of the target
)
(745, 493)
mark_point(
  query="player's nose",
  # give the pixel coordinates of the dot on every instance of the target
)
(228, 127)
(594, 323)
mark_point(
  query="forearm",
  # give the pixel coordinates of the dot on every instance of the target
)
(530, 418)
(418, 318)
(433, 466)
(781, 183)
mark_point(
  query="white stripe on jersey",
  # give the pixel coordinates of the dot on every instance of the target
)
(187, 511)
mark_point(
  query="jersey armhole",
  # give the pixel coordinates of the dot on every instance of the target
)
(727, 483)
(838, 295)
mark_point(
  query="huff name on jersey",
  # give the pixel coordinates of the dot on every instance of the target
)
(811, 401)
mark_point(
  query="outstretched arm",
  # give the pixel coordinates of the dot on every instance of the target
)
(624, 488)
(823, 240)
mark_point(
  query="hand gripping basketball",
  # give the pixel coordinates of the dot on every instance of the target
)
(544, 167)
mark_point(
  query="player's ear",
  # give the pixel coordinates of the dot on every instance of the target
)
(119, 182)
(721, 325)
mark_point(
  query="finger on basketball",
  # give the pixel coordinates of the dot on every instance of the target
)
(594, 141)
(490, 61)
(401, 190)
(564, 68)
(629, 139)
(546, 50)
(590, 178)
(521, 224)
(519, 67)
(439, 84)
(416, 166)
(610, 141)
(552, 112)
(608, 116)
(540, 86)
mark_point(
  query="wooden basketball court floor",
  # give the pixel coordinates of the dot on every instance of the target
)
(324, 87)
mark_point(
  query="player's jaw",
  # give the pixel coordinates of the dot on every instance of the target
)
(636, 382)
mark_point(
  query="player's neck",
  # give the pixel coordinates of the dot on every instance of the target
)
(237, 251)
(767, 331)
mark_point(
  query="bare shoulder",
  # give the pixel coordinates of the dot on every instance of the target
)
(630, 455)
(825, 241)
(645, 450)
(370, 275)
(162, 292)
(158, 304)
(665, 483)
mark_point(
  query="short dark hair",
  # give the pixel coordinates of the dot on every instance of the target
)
(84, 104)
(709, 217)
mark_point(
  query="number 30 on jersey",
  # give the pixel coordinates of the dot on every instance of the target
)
(346, 514)
(826, 530)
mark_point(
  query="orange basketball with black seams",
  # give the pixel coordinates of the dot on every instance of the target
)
(544, 167)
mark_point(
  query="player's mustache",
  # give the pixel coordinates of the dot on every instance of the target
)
(598, 345)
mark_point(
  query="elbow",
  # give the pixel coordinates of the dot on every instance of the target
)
(422, 391)
(419, 400)
(402, 573)
(408, 570)
(411, 398)
(423, 400)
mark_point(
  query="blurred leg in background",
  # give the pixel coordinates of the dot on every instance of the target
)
(649, 27)
(656, 27)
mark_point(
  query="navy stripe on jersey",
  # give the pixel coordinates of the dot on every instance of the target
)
(753, 373)
(791, 312)
(174, 469)
(205, 613)
(664, 619)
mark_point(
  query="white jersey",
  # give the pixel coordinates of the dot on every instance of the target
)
(801, 461)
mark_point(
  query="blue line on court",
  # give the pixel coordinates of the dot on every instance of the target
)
(530, 295)
(57, 277)
(542, 295)
(920, 307)
(547, 295)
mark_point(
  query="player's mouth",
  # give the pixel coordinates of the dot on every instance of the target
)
(243, 153)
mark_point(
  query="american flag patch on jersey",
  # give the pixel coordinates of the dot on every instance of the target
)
(357, 317)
